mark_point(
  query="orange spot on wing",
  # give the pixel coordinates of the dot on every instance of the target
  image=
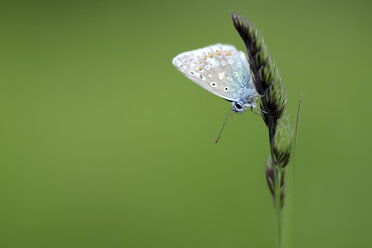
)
(204, 57)
(210, 55)
(199, 68)
(218, 52)
(228, 53)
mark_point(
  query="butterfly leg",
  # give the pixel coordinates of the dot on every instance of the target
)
(252, 109)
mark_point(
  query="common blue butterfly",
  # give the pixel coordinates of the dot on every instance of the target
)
(223, 71)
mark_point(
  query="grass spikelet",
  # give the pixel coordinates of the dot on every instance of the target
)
(273, 102)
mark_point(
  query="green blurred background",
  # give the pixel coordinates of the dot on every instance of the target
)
(103, 143)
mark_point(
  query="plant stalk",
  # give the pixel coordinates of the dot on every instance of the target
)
(277, 183)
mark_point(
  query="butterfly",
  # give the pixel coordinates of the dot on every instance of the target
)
(223, 71)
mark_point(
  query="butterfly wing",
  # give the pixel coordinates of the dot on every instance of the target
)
(220, 69)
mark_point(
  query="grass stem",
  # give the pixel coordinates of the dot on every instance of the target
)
(291, 178)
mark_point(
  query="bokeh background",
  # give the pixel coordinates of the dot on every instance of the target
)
(103, 143)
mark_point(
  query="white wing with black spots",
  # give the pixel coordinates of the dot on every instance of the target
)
(220, 69)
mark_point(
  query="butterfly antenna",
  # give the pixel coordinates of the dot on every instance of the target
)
(224, 123)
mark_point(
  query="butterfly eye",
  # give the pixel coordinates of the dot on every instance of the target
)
(238, 106)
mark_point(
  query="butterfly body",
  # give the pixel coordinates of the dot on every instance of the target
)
(223, 71)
